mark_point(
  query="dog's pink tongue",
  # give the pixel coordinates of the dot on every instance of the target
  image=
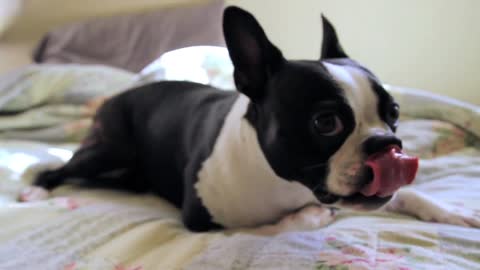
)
(391, 169)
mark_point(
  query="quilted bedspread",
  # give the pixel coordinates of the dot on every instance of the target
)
(99, 229)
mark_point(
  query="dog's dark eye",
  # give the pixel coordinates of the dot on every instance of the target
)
(393, 113)
(327, 124)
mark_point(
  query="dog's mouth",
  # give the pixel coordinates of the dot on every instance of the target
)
(383, 174)
(357, 199)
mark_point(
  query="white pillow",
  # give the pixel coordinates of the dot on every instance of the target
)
(202, 64)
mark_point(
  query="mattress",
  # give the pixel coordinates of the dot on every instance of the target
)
(49, 107)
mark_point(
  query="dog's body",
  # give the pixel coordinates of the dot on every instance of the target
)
(297, 134)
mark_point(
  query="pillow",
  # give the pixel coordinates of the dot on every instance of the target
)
(202, 64)
(132, 41)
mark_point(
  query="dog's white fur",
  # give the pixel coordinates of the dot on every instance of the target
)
(236, 183)
(344, 165)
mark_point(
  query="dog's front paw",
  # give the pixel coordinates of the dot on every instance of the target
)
(307, 219)
(428, 209)
(447, 214)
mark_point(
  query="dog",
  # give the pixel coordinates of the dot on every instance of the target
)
(297, 139)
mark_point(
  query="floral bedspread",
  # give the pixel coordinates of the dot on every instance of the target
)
(53, 102)
(97, 229)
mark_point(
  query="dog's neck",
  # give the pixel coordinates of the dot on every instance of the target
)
(237, 184)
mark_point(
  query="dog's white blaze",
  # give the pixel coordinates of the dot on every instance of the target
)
(236, 183)
(364, 103)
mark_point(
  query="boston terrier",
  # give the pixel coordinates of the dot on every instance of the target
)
(297, 137)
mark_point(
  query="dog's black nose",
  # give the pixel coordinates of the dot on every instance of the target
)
(376, 144)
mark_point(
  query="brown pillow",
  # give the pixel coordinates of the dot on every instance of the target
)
(133, 41)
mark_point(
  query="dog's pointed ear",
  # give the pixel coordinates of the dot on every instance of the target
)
(331, 47)
(254, 57)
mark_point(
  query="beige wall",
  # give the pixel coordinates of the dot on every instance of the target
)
(429, 44)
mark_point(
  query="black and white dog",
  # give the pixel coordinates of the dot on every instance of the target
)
(296, 134)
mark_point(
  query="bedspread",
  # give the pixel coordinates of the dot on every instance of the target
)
(99, 229)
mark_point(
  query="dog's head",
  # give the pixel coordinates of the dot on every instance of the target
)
(326, 123)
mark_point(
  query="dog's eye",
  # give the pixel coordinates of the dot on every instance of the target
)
(393, 113)
(327, 124)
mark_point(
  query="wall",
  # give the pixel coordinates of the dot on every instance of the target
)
(428, 44)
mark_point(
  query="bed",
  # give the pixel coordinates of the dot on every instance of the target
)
(46, 110)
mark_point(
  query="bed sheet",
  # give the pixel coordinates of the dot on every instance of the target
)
(99, 229)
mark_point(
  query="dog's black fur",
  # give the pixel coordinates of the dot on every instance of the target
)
(156, 137)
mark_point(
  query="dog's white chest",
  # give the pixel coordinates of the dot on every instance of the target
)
(236, 183)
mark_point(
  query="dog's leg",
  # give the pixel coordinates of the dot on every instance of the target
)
(194, 214)
(418, 204)
(306, 219)
(105, 149)
(88, 162)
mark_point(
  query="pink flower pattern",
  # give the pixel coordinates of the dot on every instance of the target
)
(340, 255)
(451, 139)
(69, 203)
(70, 266)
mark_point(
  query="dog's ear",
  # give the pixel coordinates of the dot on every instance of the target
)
(331, 47)
(254, 57)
